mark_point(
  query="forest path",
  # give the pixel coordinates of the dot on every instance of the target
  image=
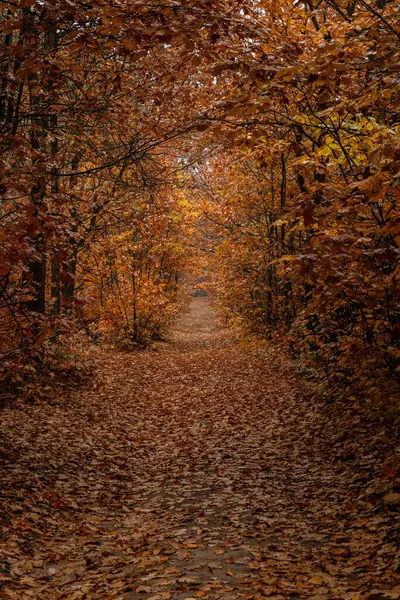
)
(192, 471)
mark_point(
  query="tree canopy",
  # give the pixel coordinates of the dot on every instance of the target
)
(259, 139)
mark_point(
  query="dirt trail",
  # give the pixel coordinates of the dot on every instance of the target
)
(192, 471)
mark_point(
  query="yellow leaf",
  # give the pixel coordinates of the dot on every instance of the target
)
(85, 588)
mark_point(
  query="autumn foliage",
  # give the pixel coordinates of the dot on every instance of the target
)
(303, 212)
(250, 148)
(276, 123)
(90, 235)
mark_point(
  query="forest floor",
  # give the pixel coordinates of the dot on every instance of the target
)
(203, 468)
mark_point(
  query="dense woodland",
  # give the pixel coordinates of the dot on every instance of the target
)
(257, 141)
(160, 446)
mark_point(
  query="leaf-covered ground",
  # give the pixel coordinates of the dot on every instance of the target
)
(203, 469)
